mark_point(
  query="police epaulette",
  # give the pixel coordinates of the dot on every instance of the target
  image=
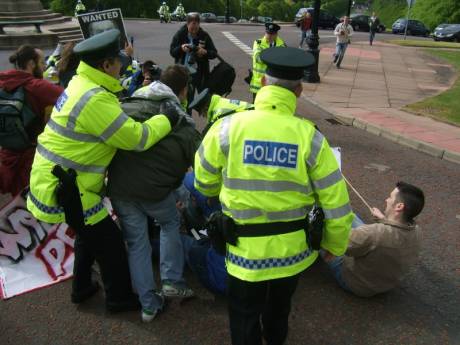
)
(259, 41)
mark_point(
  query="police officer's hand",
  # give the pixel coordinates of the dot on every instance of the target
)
(171, 111)
(327, 256)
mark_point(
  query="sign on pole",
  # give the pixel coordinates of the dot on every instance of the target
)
(96, 22)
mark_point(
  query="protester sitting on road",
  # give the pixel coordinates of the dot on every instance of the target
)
(270, 39)
(85, 130)
(193, 47)
(67, 64)
(40, 96)
(343, 31)
(379, 254)
(142, 185)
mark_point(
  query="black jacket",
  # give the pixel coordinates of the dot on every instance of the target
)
(152, 174)
(180, 38)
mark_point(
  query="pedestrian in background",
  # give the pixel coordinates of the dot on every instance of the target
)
(343, 31)
(269, 168)
(305, 27)
(374, 23)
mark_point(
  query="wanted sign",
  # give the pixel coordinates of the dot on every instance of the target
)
(96, 22)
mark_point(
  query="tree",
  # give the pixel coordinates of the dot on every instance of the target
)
(434, 12)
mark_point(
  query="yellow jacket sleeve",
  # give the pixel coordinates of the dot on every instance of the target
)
(331, 193)
(103, 117)
(209, 161)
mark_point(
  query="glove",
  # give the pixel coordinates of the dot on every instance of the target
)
(171, 111)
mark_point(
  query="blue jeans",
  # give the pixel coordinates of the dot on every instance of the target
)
(340, 48)
(304, 36)
(133, 217)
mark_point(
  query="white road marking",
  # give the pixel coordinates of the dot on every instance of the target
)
(422, 70)
(378, 167)
(238, 43)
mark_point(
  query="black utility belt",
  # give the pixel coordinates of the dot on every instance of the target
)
(270, 229)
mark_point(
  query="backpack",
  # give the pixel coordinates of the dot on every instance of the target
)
(15, 118)
(221, 78)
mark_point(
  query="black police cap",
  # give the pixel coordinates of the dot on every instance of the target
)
(200, 100)
(272, 28)
(286, 62)
(103, 45)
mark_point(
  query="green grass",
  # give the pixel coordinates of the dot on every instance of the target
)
(445, 106)
(424, 44)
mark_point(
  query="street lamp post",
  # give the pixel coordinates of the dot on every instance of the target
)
(311, 74)
(227, 12)
(349, 8)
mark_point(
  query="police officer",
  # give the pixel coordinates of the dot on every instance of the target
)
(79, 8)
(270, 39)
(268, 169)
(86, 128)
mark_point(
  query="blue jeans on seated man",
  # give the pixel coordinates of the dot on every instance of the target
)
(335, 265)
(134, 217)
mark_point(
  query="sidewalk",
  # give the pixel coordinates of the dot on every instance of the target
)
(374, 83)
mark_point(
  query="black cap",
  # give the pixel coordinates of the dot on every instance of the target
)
(272, 28)
(103, 45)
(200, 100)
(286, 62)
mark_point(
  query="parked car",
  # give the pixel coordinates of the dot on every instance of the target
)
(221, 19)
(415, 27)
(260, 19)
(360, 22)
(447, 32)
(326, 20)
(208, 17)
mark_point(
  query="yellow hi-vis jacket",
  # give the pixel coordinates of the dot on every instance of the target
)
(271, 167)
(258, 67)
(86, 128)
(219, 106)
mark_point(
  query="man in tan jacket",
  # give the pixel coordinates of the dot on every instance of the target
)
(379, 254)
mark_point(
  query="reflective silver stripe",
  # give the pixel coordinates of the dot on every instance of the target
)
(67, 163)
(265, 185)
(71, 134)
(329, 180)
(273, 216)
(224, 135)
(78, 107)
(338, 212)
(204, 163)
(243, 214)
(207, 185)
(145, 135)
(114, 126)
(289, 214)
(316, 145)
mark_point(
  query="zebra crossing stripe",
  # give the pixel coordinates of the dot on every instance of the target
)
(238, 43)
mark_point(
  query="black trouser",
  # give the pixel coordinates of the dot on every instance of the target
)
(248, 301)
(102, 242)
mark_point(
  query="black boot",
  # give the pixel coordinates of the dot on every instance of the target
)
(81, 296)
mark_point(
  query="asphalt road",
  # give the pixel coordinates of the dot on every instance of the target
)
(424, 310)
